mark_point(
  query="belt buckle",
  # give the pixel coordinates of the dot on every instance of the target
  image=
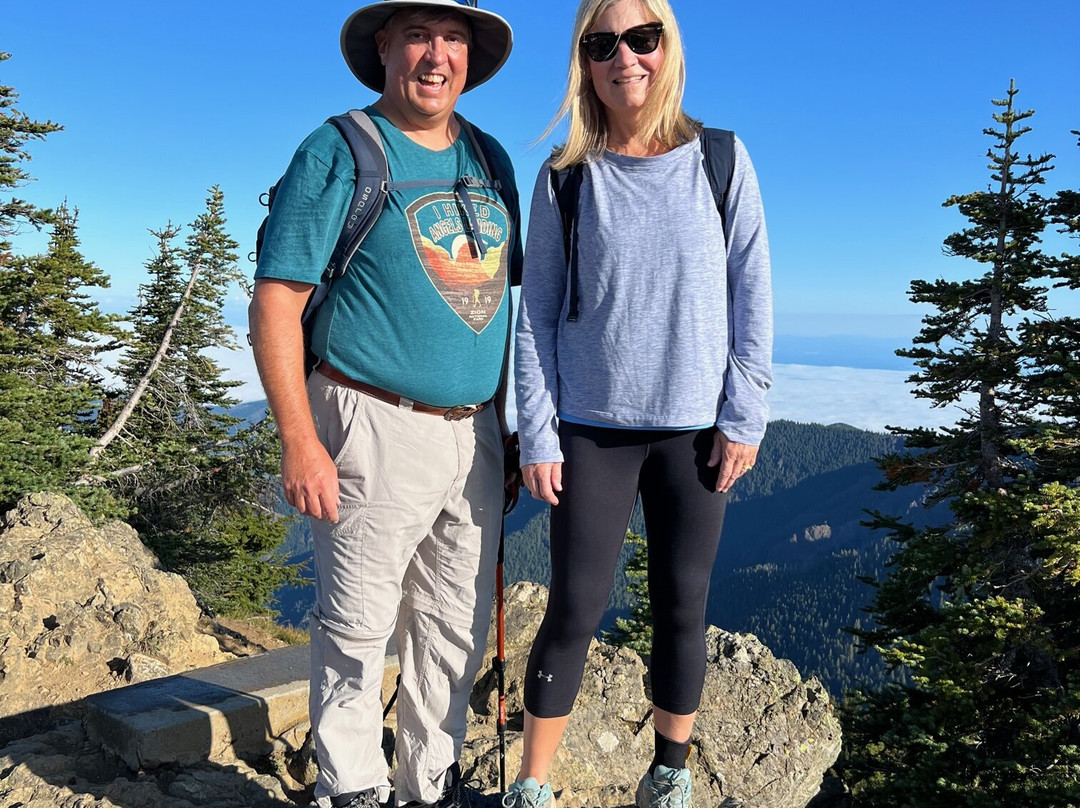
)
(461, 412)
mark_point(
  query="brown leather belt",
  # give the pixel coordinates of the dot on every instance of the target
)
(449, 413)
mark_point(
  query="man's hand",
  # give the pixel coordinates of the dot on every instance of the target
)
(543, 480)
(734, 459)
(309, 479)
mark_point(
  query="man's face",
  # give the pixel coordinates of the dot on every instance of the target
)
(426, 58)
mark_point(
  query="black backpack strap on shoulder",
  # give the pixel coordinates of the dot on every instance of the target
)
(500, 178)
(479, 143)
(718, 155)
(493, 168)
(566, 185)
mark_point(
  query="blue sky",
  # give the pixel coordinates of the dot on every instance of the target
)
(861, 119)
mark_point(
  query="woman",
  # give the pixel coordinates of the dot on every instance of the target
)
(654, 384)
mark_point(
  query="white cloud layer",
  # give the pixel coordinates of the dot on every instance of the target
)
(864, 398)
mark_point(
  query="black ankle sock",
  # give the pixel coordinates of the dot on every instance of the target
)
(669, 753)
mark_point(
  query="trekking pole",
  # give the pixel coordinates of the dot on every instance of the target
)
(393, 697)
(499, 663)
(512, 467)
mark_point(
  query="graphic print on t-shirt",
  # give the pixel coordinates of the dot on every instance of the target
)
(472, 288)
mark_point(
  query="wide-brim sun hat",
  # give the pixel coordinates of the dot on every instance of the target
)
(492, 40)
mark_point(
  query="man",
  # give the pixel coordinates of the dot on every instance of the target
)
(406, 501)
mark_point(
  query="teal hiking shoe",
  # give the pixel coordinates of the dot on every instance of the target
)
(529, 794)
(664, 788)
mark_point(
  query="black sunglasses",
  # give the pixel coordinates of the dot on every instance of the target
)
(602, 45)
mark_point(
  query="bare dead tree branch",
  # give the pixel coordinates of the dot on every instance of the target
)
(144, 382)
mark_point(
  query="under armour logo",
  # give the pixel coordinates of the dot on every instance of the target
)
(545, 676)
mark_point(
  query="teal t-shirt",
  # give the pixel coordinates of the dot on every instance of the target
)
(417, 313)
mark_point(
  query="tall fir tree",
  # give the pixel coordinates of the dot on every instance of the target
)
(199, 483)
(51, 332)
(983, 613)
(52, 338)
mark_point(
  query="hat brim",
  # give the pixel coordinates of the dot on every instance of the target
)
(490, 48)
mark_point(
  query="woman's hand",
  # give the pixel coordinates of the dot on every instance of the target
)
(543, 480)
(734, 459)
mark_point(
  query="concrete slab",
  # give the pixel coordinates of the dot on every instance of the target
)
(218, 713)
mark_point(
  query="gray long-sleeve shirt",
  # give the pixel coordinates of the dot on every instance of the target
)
(675, 325)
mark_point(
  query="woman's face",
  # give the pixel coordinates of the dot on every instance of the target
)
(622, 83)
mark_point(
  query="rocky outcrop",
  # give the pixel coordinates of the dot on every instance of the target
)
(84, 609)
(813, 533)
(63, 769)
(763, 737)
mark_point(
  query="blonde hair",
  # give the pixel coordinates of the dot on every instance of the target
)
(662, 120)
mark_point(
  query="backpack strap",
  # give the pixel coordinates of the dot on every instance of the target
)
(368, 198)
(369, 195)
(479, 143)
(372, 173)
(502, 179)
(501, 176)
(718, 156)
(566, 185)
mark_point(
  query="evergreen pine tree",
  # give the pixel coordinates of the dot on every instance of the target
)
(200, 484)
(983, 613)
(51, 332)
(52, 335)
(16, 130)
(636, 631)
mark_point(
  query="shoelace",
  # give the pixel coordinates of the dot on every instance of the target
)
(666, 794)
(522, 799)
(461, 793)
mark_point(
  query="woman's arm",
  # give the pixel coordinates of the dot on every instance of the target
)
(543, 292)
(743, 413)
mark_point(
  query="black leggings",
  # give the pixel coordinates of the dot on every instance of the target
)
(603, 471)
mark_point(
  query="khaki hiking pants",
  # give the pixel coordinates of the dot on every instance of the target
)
(414, 554)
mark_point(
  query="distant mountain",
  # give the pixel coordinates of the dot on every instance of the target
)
(250, 411)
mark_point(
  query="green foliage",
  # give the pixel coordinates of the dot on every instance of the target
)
(52, 335)
(16, 130)
(636, 631)
(801, 610)
(983, 612)
(51, 332)
(198, 483)
(792, 452)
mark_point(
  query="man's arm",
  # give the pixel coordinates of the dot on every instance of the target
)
(308, 475)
